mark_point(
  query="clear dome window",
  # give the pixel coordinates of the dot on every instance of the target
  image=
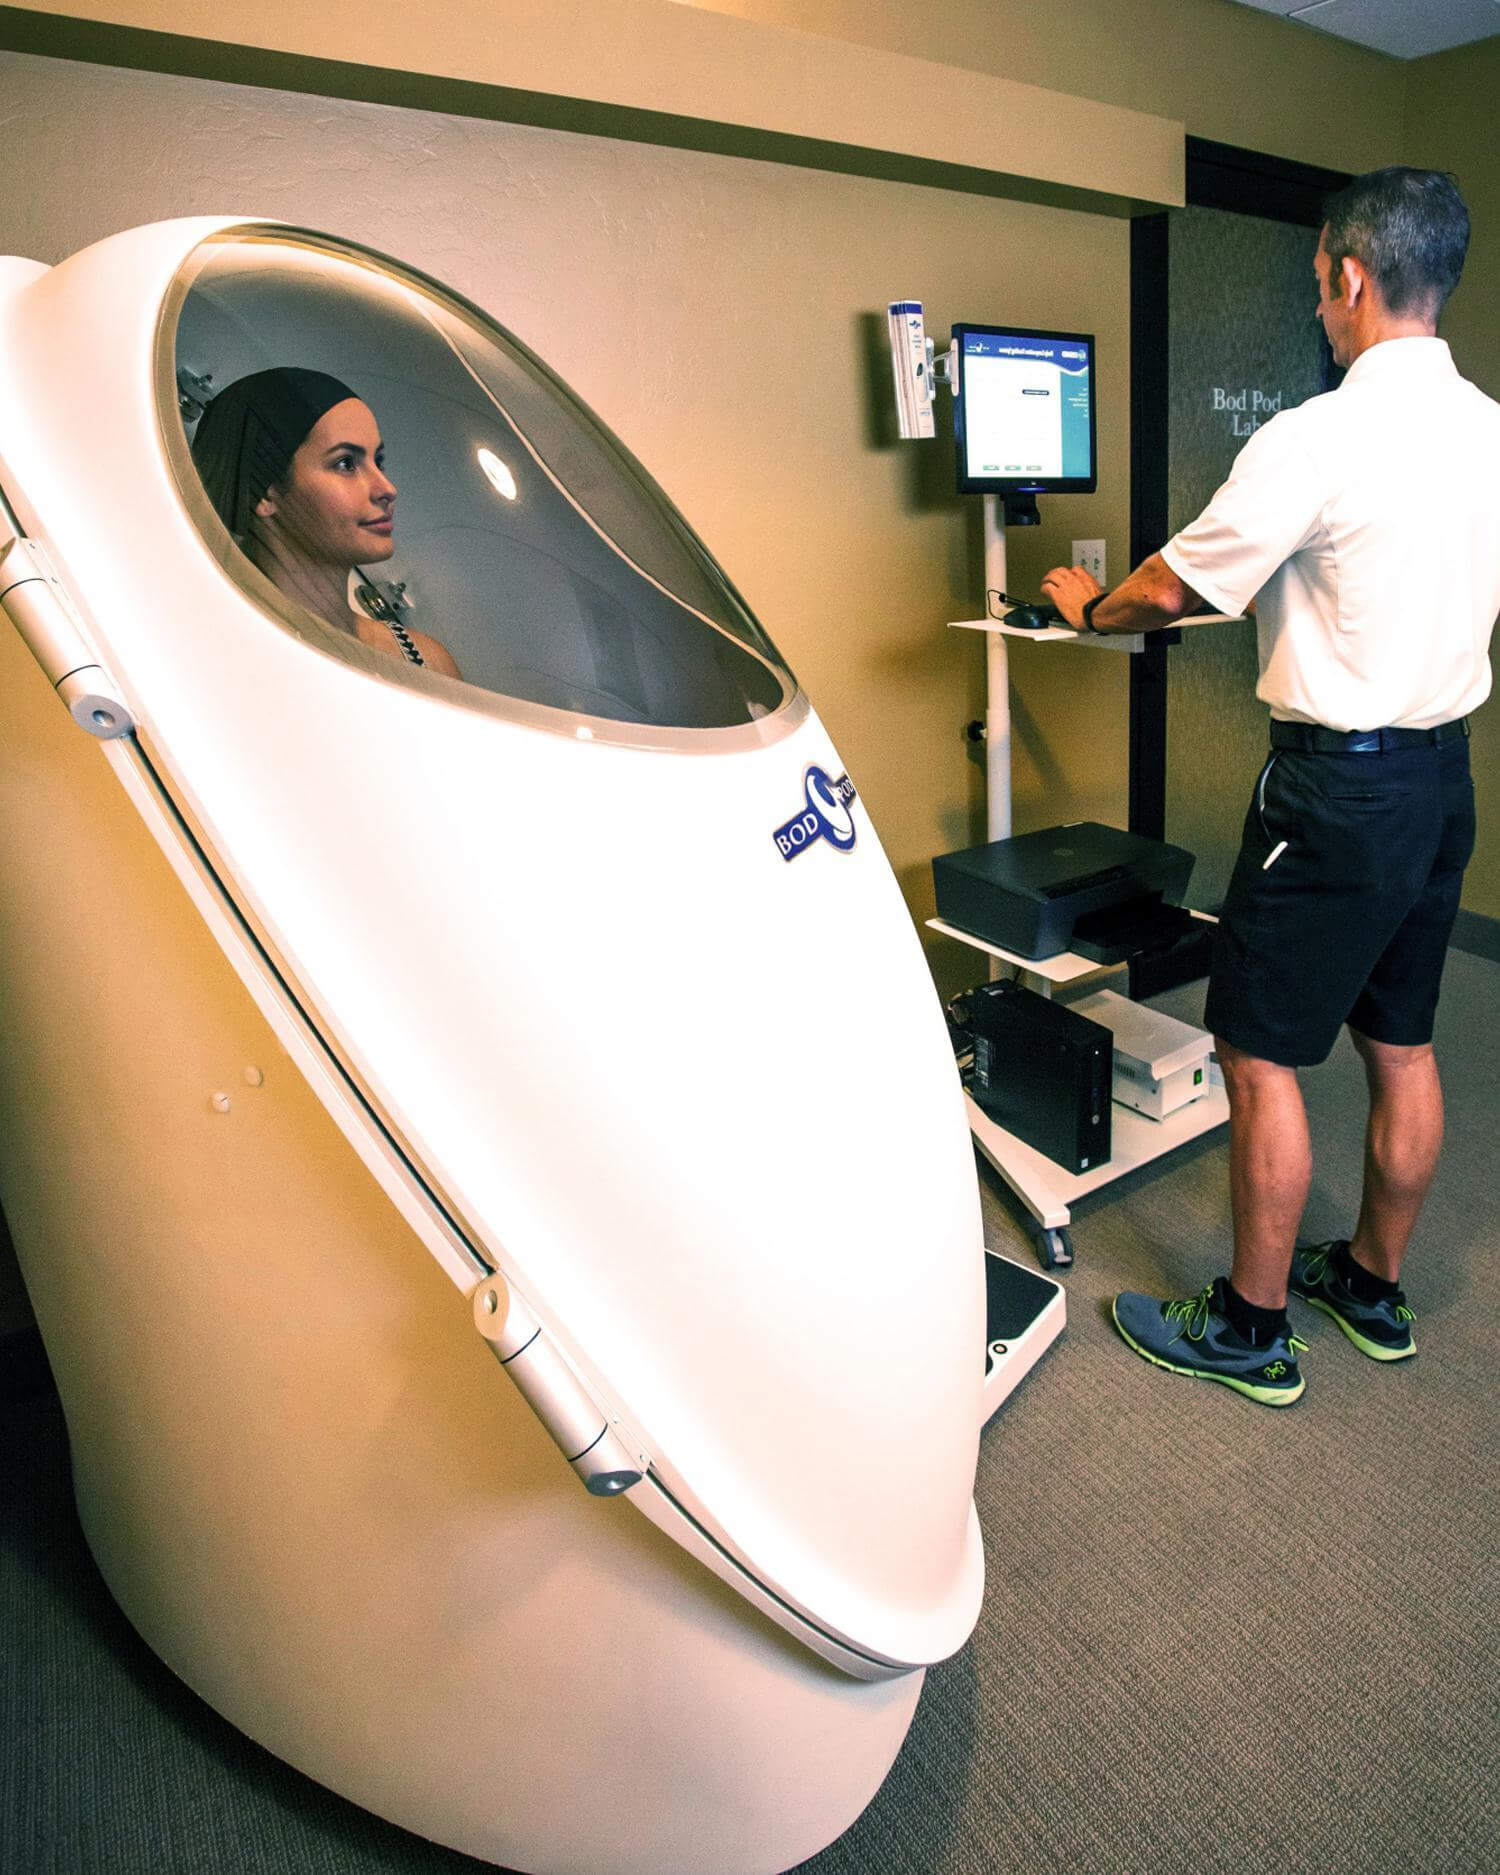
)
(406, 486)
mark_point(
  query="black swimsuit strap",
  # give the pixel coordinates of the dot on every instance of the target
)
(373, 604)
(404, 638)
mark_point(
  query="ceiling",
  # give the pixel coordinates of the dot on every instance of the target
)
(1408, 29)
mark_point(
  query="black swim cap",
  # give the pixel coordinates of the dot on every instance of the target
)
(248, 434)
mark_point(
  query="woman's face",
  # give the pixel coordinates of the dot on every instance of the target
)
(336, 503)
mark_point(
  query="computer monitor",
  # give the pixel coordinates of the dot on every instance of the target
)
(1023, 413)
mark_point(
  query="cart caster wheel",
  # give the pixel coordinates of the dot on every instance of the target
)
(1054, 1249)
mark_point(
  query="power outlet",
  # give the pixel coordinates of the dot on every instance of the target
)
(1089, 554)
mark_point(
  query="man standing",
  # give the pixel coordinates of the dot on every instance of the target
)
(1367, 522)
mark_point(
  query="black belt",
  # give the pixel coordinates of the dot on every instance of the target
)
(1321, 741)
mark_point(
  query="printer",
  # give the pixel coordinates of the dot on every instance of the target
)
(1106, 894)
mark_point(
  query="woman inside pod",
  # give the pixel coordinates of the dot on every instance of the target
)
(293, 463)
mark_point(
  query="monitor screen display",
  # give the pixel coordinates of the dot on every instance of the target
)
(1024, 413)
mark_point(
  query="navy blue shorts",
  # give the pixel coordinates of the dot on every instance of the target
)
(1342, 900)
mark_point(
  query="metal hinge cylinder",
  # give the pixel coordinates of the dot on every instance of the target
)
(31, 601)
(591, 1445)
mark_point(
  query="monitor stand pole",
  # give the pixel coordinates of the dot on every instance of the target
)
(997, 680)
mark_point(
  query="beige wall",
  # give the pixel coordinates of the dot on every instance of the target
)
(648, 69)
(1225, 70)
(1242, 77)
(761, 286)
(1451, 125)
(1228, 71)
(1451, 109)
(717, 313)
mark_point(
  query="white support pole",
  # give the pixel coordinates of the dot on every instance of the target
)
(997, 681)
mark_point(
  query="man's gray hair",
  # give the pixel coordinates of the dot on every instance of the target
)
(1408, 229)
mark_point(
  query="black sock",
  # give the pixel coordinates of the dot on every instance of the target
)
(1364, 1285)
(1260, 1327)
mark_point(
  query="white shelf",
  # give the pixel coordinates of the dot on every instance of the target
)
(1065, 967)
(1047, 1190)
(1054, 634)
(1103, 641)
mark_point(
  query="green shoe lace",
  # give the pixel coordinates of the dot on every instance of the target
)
(1316, 1266)
(1194, 1310)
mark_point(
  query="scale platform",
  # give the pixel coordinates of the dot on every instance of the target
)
(1024, 1315)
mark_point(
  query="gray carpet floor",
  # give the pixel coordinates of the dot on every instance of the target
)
(1215, 1637)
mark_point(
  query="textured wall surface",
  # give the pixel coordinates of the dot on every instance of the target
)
(726, 318)
(651, 69)
(1450, 124)
(1226, 71)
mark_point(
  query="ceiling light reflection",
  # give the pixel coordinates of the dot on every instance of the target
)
(497, 475)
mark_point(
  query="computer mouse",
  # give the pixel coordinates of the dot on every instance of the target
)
(1033, 618)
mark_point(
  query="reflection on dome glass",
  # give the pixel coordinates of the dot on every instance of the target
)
(498, 476)
(399, 474)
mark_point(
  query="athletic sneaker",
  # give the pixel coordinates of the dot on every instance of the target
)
(1194, 1336)
(1380, 1329)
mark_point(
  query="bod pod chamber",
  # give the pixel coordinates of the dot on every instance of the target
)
(554, 986)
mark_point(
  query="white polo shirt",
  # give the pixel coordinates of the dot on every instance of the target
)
(1368, 522)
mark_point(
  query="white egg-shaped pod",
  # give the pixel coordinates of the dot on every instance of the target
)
(582, 965)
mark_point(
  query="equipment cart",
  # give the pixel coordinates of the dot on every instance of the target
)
(1046, 1190)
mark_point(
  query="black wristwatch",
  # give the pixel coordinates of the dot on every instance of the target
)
(1088, 624)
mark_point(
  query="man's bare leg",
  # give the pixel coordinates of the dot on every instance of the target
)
(1402, 1144)
(1270, 1170)
(1238, 1333)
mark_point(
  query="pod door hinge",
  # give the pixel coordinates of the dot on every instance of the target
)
(602, 1451)
(33, 601)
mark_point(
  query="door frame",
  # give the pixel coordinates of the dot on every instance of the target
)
(1245, 182)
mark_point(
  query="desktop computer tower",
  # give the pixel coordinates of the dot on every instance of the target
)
(1043, 1073)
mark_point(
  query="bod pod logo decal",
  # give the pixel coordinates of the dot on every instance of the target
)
(827, 816)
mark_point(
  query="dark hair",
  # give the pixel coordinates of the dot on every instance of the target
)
(248, 434)
(1408, 229)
